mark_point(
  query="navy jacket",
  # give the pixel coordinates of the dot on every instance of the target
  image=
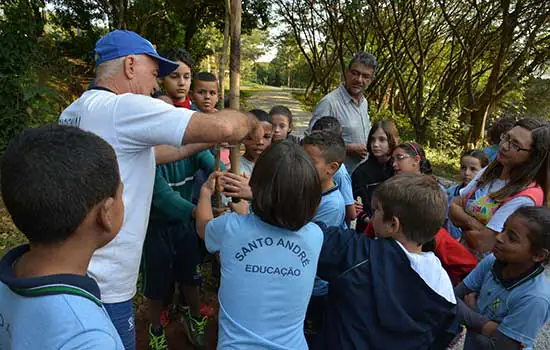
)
(376, 300)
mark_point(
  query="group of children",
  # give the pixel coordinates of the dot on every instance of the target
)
(294, 272)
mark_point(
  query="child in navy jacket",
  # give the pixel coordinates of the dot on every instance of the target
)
(386, 293)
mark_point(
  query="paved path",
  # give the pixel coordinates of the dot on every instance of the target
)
(265, 99)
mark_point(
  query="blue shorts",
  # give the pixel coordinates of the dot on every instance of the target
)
(122, 316)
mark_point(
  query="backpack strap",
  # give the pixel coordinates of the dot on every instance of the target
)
(532, 191)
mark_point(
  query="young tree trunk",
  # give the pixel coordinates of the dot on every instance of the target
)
(121, 14)
(235, 73)
(223, 58)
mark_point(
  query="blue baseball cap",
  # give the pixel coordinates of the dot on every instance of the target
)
(120, 43)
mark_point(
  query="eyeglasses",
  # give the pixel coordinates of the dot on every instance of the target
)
(506, 140)
(399, 157)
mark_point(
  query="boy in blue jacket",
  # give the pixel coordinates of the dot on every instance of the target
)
(386, 293)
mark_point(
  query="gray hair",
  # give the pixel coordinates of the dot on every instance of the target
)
(111, 67)
(367, 59)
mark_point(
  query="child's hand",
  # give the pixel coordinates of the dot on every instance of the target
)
(209, 186)
(482, 241)
(358, 208)
(219, 211)
(241, 207)
(470, 299)
(489, 328)
(459, 200)
(236, 186)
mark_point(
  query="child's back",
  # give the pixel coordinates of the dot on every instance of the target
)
(377, 300)
(386, 293)
(268, 258)
(267, 275)
(62, 188)
(52, 312)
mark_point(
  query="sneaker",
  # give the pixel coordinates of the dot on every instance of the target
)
(165, 317)
(157, 342)
(195, 329)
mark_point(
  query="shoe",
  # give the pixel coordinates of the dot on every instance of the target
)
(165, 318)
(195, 329)
(157, 342)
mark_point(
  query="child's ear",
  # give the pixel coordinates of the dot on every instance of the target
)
(334, 166)
(395, 226)
(106, 216)
(542, 256)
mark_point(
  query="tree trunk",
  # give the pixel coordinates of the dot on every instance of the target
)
(223, 58)
(121, 14)
(235, 73)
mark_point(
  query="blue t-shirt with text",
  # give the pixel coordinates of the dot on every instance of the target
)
(267, 275)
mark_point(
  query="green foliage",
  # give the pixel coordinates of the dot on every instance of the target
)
(33, 74)
(10, 236)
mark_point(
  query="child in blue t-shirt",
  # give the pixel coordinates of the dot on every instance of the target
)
(269, 256)
(327, 151)
(471, 163)
(341, 177)
(62, 188)
(505, 300)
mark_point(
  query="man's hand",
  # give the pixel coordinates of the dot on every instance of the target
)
(358, 149)
(255, 130)
(235, 186)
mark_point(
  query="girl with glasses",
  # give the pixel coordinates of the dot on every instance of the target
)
(518, 177)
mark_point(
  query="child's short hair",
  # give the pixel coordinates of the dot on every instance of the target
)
(417, 201)
(261, 115)
(414, 149)
(203, 76)
(479, 155)
(501, 126)
(331, 145)
(285, 186)
(177, 54)
(53, 176)
(328, 124)
(282, 110)
(538, 221)
(389, 128)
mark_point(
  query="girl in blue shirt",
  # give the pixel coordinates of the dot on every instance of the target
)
(268, 257)
(505, 300)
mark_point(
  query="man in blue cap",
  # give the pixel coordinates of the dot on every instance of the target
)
(120, 109)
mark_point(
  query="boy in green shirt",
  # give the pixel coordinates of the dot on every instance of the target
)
(172, 251)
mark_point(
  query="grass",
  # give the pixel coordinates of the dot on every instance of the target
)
(9, 234)
(444, 164)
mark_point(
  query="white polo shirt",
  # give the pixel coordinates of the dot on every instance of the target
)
(132, 124)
